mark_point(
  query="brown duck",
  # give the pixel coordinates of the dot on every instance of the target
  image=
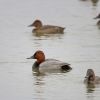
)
(49, 29)
(91, 78)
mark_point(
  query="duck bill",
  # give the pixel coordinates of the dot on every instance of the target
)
(32, 57)
(86, 76)
(30, 25)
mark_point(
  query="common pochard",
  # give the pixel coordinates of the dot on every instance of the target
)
(90, 77)
(49, 29)
(42, 64)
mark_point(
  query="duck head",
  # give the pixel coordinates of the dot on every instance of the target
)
(37, 24)
(97, 16)
(90, 75)
(91, 78)
(98, 24)
(39, 55)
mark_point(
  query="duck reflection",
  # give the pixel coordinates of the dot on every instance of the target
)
(83, 0)
(90, 88)
(38, 85)
(94, 2)
(46, 36)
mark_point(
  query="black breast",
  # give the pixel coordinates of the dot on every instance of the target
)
(35, 66)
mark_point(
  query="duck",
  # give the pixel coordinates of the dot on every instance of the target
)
(94, 2)
(91, 78)
(42, 64)
(48, 29)
(98, 23)
(98, 16)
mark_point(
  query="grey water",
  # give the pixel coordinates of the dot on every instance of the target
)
(79, 46)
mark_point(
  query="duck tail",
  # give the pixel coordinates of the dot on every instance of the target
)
(66, 67)
(63, 28)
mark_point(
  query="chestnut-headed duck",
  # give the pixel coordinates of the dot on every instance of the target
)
(43, 64)
(90, 77)
(49, 29)
(98, 23)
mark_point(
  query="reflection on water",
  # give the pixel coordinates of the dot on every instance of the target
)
(94, 2)
(38, 78)
(46, 36)
(90, 96)
(90, 88)
(91, 91)
(45, 84)
(39, 86)
(79, 45)
(36, 71)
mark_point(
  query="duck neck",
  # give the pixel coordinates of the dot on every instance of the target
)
(39, 25)
(40, 60)
(39, 56)
(91, 78)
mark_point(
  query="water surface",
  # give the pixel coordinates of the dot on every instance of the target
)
(79, 46)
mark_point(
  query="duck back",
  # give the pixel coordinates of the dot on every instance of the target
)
(49, 29)
(53, 64)
(96, 81)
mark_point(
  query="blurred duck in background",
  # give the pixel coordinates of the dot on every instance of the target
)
(90, 77)
(94, 2)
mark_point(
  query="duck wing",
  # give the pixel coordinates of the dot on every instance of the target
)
(49, 29)
(51, 26)
(54, 64)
